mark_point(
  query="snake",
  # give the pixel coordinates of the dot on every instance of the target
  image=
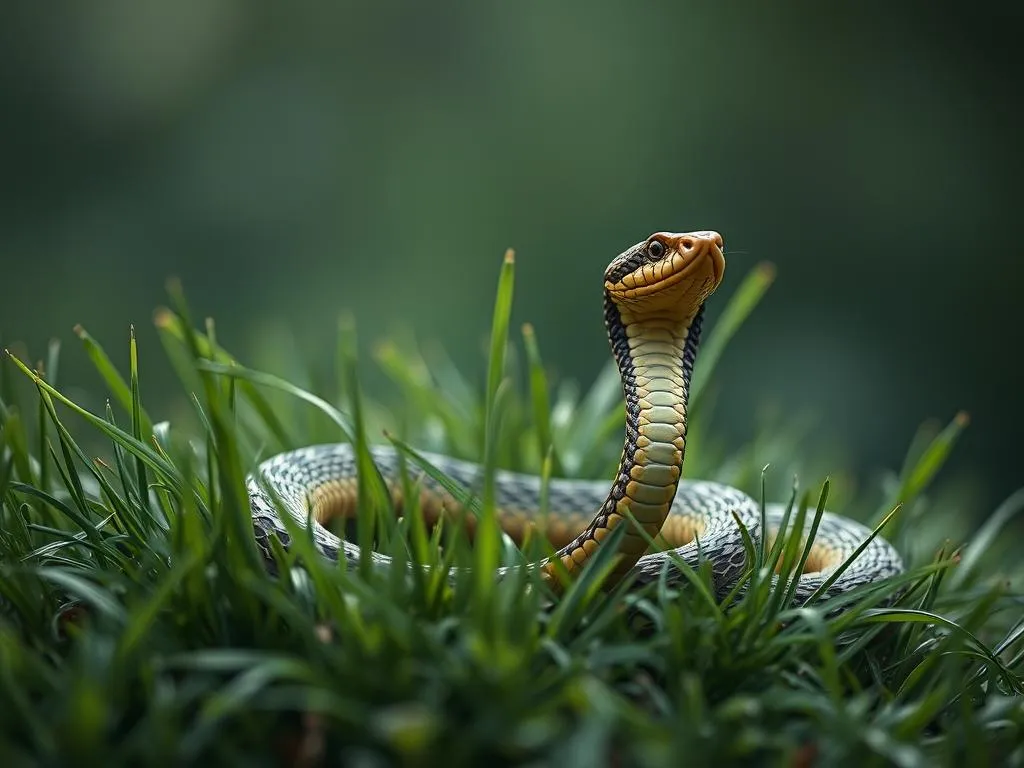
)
(654, 300)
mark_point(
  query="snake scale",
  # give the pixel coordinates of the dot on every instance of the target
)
(654, 295)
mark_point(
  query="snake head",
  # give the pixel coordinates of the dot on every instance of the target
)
(669, 273)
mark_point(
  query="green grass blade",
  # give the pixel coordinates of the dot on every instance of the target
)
(978, 547)
(808, 544)
(274, 382)
(933, 458)
(118, 387)
(173, 330)
(586, 588)
(84, 590)
(539, 400)
(465, 498)
(142, 430)
(43, 459)
(839, 571)
(600, 408)
(153, 460)
(486, 539)
(742, 303)
(908, 615)
(373, 499)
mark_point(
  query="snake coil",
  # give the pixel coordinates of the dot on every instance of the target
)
(654, 294)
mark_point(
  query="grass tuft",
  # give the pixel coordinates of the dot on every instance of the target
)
(139, 624)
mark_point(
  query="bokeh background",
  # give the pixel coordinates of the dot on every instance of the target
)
(292, 161)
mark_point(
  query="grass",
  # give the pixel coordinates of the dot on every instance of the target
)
(138, 624)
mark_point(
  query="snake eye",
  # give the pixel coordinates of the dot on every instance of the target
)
(656, 249)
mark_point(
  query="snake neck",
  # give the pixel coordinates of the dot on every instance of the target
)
(655, 357)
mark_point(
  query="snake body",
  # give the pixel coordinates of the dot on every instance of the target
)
(654, 294)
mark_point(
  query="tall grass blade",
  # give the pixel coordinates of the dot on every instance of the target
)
(540, 401)
(749, 293)
(486, 539)
(118, 387)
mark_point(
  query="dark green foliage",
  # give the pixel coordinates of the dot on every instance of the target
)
(138, 624)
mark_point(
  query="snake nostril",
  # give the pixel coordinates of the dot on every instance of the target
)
(687, 243)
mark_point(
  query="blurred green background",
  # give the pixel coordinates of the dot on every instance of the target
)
(292, 161)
